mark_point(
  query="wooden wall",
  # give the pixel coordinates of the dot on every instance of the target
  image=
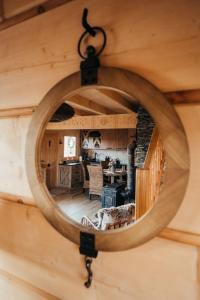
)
(157, 39)
(54, 153)
(12, 8)
(149, 178)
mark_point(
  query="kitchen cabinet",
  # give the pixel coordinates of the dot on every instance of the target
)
(110, 139)
(69, 176)
(121, 138)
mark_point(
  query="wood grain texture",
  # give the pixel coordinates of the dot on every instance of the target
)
(187, 218)
(184, 97)
(80, 102)
(172, 135)
(87, 103)
(13, 8)
(96, 122)
(111, 99)
(168, 56)
(16, 112)
(180, 236)
(12, 151)
(16, 12)
(21, 289)
(53, 264)
(149, 179)
(13, 136)
(158, 39)
(17, 198)
(184, 237)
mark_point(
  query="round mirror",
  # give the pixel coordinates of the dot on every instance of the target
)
(111, 159)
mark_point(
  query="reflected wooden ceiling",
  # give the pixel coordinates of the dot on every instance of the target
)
(101, 102)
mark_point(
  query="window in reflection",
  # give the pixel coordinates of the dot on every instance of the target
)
(69, 146)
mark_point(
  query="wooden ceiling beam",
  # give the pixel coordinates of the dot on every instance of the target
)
(80, 112)
(17, 112)
(30, 13)
(96, 122)
(113, 97)
(184, 97)
(86, 104)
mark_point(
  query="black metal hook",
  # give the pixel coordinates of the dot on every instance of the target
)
(85, 24)
(88, 263)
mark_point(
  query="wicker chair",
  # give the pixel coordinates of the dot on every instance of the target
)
(95, 180)
(111, 218)
(85, 176)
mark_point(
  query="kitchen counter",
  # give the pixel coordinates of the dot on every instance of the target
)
(70, 164)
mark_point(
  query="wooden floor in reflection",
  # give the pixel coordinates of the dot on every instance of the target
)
(77, 205)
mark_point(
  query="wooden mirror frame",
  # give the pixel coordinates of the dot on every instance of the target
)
(176, 153)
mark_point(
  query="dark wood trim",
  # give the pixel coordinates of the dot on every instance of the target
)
(184, 97)
(1, 10)
(33, 12)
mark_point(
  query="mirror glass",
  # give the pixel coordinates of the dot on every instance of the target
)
(102, 159)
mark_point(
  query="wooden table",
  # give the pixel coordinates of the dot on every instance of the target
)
(112, 175)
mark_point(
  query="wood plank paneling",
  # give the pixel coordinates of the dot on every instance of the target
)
(19, 11)
(13, 179)
(12, 8)
(168, 233)
(51, 263)
(158, 39)
(12, 164)
(187, 218)
(17, 198)
(168, 56)
(149, 179)
(21, 289)
(52, 152)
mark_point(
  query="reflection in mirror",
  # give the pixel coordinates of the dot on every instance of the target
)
(103, 166)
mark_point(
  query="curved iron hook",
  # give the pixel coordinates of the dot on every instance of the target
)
(85, 24)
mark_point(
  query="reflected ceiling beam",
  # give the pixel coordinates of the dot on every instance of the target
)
(86, 104)
(96, 122)
(79, 112)
(116, 98)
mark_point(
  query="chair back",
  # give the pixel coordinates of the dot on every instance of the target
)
(85, 176)
(116, 217)
(111, 218)
(95, 179)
